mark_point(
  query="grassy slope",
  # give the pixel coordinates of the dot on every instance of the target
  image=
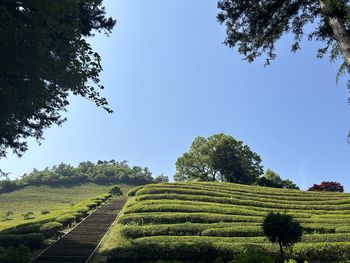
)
(193, 219)
(37, 199)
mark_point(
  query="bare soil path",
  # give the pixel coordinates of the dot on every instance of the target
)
(79, 244)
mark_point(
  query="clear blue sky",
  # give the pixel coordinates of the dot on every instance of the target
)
(169, 79)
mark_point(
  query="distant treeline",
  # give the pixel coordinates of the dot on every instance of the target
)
(102, 172)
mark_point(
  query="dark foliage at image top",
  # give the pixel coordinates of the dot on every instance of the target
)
(44, 57)
(255, 26)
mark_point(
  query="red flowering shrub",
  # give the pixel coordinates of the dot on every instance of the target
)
(327, 186)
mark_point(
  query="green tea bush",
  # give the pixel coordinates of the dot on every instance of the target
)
(115, 190)
(253, 258)
(245, 196)
(317, 238)
(173, 218)
(238, 201)
(32, 227)
(144, 249)
(7, 215)
(84, 210)
(93, 204)
(328, 252)
(45, 212)
(28, 215)
(176, 251)
(143, 207)
(133, 191)
(251, 190)
(239, 231)
(66, 220)
(105, 197)
(185, 229)
(98, 202)
(194, 206)
(32, 240)
(78, 216)
(51, 229)
(20, 254)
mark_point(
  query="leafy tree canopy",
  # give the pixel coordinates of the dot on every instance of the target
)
(272, 179)
(219, 157)
(282, 229)
(102, 172)
(44, 57)
(161, 179)
(255, 26)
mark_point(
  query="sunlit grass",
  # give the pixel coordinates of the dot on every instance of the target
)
(45, 198)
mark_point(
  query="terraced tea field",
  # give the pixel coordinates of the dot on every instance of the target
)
(205, 221)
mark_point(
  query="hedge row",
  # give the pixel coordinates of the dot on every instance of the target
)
(247, 189)
(185, 229)
(148, 199)
(217, 211)
(307, 238)
(173, 218)
(146, 249)
(196, 207)
(32, 240)
(245, 196)
(224, 200)
(20, 254)
(265, 190)
(204, 250)
(222, 229)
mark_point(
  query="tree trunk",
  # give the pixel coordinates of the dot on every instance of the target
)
(341, 34)
(281, 253)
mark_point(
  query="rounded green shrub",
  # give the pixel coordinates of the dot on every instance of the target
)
(33, 227)
(28, 215)
(51, 229)
(115, 190)
(45, 212)
(78, 216)
(66, 220)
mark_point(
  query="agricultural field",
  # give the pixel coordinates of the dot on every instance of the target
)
(37, 199)
(206, 221)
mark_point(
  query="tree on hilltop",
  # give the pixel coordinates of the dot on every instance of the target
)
(44, 57)
(272, 179)
(219, 157)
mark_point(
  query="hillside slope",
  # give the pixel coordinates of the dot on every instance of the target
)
(204, 221)
(45, 198)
